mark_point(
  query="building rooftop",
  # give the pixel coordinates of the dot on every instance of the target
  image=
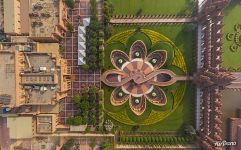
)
(16, 20)
(41, 20)
(7, 78)
(36, 77)
(44, 124)
(20, 127)
(46, 17)
(10, 17)
(43, 16)
(82, 40)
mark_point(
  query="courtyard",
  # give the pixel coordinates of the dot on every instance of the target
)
(155, 117)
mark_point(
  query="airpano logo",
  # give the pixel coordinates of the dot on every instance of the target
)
(224, 143)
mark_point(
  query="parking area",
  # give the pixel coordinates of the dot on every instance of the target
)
(80, 77)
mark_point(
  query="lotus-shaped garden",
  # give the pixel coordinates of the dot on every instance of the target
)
(138, 77)
(141, 77)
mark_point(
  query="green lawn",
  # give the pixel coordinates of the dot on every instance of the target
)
(153, 7)
(232, 17)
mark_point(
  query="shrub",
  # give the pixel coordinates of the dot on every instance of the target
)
(237, 27)
(134, 139)
(160, 139)
(101, 94)
(139, 12)
(75, 121)
(101, 34)
(233, 48)
(229, 36)
(146, 139)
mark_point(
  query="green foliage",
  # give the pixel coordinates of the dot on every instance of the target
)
(70, 27)
(108, 12)
(136, 128)
(92, 36)
(70, 3)
(85, 67)
(101, 94)
(153, 7)
(139, 12)
(68, 145)
(101, 34)
(149, 139)
(106, 145)
(87, 103)
(61, 49)
(75, 121)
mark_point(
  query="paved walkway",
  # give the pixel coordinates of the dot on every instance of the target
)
(236, 84)
(166, 146)
(81, 78)
(151, 20)
(76, 135)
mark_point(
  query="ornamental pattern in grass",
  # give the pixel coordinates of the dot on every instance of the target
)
(138, 77)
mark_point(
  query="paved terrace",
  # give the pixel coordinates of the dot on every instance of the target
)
(151, 20)
(80, 78)
(236, 84)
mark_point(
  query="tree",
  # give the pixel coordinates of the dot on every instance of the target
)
(92, 50)
(92, 39)
(68, 145)
(108, 30)
(76, 99)
(92, 144)
(93, 89)
(106, 145)
(84, 105)
(108, 12)
(70, 3)
(70, 27)
(93, 7)
(101, 34)
(85, 67)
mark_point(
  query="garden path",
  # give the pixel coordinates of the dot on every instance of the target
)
(236, 84)
(151, 20)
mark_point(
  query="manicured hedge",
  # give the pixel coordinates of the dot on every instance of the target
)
(155, 139)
